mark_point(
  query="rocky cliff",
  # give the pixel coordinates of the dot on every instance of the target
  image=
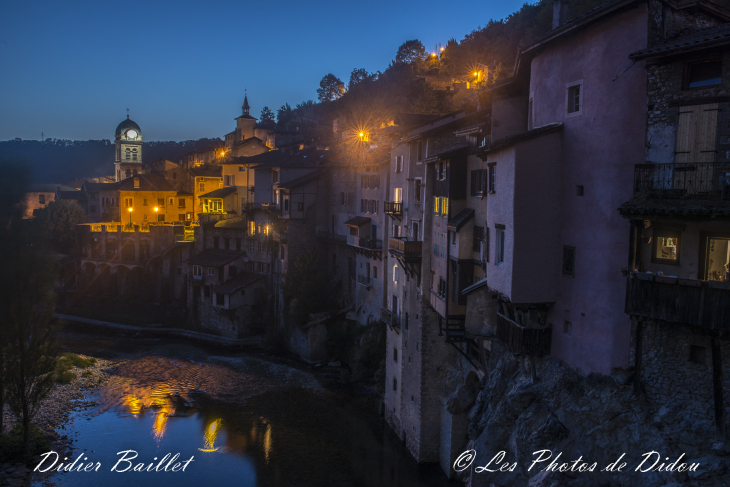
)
(566, 416)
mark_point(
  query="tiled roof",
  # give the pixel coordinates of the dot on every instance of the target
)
(644, 204)
(514, 139)
(357, 221)
(302, 180)
(444, 154)
(220, 192)
(206, 171)
(239, 282)
(702, 38)
(47, 188)
(458, 221)
(92, 187)
(147, 182)
(214, 257)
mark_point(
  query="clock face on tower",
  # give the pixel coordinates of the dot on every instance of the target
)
(131, 134)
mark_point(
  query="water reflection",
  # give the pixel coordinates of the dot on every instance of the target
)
(211, 432)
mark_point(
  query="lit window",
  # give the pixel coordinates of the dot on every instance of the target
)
(717, 259)
(665, 247)
(395, 273)
(444, 206)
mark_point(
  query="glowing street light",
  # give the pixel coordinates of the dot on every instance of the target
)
(130, 216)
(443, 48)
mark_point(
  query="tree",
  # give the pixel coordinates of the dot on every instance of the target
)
(358, 76)
(305, 104)
(283, 115)
(58, 220)
(267, 116)
(410, 52)
(330, 88)
(27, 301)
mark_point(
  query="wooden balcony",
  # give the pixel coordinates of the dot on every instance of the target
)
(700, 303)
(409, 251)
(524, 340)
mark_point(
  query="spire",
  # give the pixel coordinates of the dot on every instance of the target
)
(127, 113)
(246, 107)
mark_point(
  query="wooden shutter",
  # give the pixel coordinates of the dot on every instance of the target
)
(697, 133)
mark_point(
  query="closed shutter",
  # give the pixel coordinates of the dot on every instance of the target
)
(697, 133)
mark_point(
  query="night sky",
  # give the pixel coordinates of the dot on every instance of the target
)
(72, 68)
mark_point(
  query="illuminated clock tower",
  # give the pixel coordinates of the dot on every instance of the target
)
(128, 150)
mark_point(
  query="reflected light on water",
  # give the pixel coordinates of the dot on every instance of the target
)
(267, 442)
(133, 404)
(211, 432)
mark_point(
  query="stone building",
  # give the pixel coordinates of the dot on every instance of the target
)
(39, 195)
(678, 289)
(148, 198)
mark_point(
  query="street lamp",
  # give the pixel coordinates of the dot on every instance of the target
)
(156, 210)
(130, 216)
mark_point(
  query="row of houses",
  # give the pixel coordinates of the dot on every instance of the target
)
(578, 210)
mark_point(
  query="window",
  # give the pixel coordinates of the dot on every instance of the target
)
(395, 273)
(443, 244)
(363, 206)
(275, 176)
(373, 206)
(201, 187)
(478, 237)
(442, 288)
(160, 218)
(492, 177)
(136, 183)
(419, 151)
(398, 195)
(220, 300)
(398, 163)
(172, 201)
(160, 201)
(211, 270)
(42, 199)
(364, 181)
(375, 272)
(241, 169)
(417, 191)
(478, 182)
(197, 272)
(128, 202)
(717, 259)
(665, 245)
(144, 202)
(574, 103)
(444, 206)
(567, 328)
(395, 384)
(440, 169)
(568, 261)
(437, 205)
(396, 230)
(227, 180)
(499, 250)
(216, 242)
(275, 197)
(374, 181)
(395, 354)
(435, 244)
(707, 73)
(353, 231)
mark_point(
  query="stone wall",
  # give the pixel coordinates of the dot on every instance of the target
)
(677, 372)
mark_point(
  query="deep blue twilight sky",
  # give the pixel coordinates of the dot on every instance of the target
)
(70, 69)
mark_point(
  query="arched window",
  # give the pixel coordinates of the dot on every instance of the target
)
(134, 172)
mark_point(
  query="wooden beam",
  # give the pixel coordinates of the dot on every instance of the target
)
(637, 355)
(717, 386)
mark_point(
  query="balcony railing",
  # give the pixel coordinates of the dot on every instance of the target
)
(363, 280)
(393, 207)
(389, 318)
(702, 180)
(669, 299)
(410, 250)
(367, 243)
(332, 237)
(522, 339)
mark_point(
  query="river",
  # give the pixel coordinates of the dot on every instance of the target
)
(245, 419)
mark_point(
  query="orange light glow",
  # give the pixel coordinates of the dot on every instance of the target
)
(443, 48)
(157, 209)
(130, 209)
(433, 54)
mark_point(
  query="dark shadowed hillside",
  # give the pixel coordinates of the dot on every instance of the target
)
(60, 161)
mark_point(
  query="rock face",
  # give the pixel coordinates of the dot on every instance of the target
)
(594, 418)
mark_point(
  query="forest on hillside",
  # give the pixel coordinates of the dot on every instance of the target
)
(61, 161)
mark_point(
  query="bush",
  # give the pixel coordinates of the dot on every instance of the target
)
(87, 373)
(68, 361)
(11, 443)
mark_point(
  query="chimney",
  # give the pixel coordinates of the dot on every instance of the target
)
(560, 13)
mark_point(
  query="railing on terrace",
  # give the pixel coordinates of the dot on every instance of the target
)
(389, 318)
(674, 300)
(522, 339)
(393, 207)
(367, 243)
(364, 280)
(332, 237)
(407, 248)
(701, 180)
